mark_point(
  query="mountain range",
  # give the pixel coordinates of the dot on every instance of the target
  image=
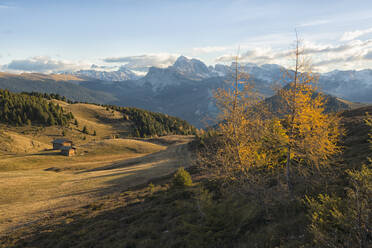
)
(350, 85)
(184, 89)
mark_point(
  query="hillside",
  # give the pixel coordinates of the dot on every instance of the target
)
(58, 84)
(107, 124)
(24, 109)
(332, 104)
(109, 158)
(43, 120)
(196, 216)
(41, 77)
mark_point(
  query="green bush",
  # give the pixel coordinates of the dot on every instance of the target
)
(182, 178)
(344, 221)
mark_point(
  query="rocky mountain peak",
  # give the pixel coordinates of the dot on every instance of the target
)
(191, 67)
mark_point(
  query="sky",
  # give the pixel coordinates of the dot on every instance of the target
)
(50, 36)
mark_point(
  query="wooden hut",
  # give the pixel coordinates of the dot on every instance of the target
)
(58, 143)
(68, 151)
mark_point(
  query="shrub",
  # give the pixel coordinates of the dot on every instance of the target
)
(151, 187)
(85, 130)
(344, 222)
(182, 178)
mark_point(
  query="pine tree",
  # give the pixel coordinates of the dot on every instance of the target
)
(85, 130)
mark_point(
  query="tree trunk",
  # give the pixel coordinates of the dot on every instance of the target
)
(288, 171)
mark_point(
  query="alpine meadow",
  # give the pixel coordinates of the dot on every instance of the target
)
(142, 124)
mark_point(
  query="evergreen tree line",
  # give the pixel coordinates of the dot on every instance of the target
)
(26, 109)
(49, 96)
(147, 123)
(33, 108)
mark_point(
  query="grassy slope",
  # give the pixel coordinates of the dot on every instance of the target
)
(107, 123)
(160, 216)
(41, 77)
(32, 175)
(64, 85)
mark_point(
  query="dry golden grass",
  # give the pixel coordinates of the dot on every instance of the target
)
(37, 182)
(42, 77)
(12, 142)
(105, 122)
(37, 186)
(30, 139)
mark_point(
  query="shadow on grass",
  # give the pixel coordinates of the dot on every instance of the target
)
(117, 178)
(47, 153)
(153, 157)
(137, 218)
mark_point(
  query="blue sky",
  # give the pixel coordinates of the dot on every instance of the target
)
(54, 35)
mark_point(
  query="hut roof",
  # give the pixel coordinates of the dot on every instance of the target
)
(60, 141)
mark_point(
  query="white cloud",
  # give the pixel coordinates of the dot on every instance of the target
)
(139, 73)
(354, 54)
(314, 23)
(41, 64)
(368, 56)
(141, 62)
(103, 67)
(210, 49)
(355, 34)
(6, 6)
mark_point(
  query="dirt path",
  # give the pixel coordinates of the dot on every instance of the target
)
(38, 194)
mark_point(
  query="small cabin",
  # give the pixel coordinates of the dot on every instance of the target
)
(68, 151)
(58, 143)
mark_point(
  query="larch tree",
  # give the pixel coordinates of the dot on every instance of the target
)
(312, 133)
(241, 125)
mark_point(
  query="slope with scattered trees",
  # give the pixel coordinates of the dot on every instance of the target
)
(146, 123)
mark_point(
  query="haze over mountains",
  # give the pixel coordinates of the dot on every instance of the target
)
(184, 89)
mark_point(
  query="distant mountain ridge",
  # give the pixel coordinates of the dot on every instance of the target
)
(64, 85)
(184, 89)
(119, 75)
(351, 85)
